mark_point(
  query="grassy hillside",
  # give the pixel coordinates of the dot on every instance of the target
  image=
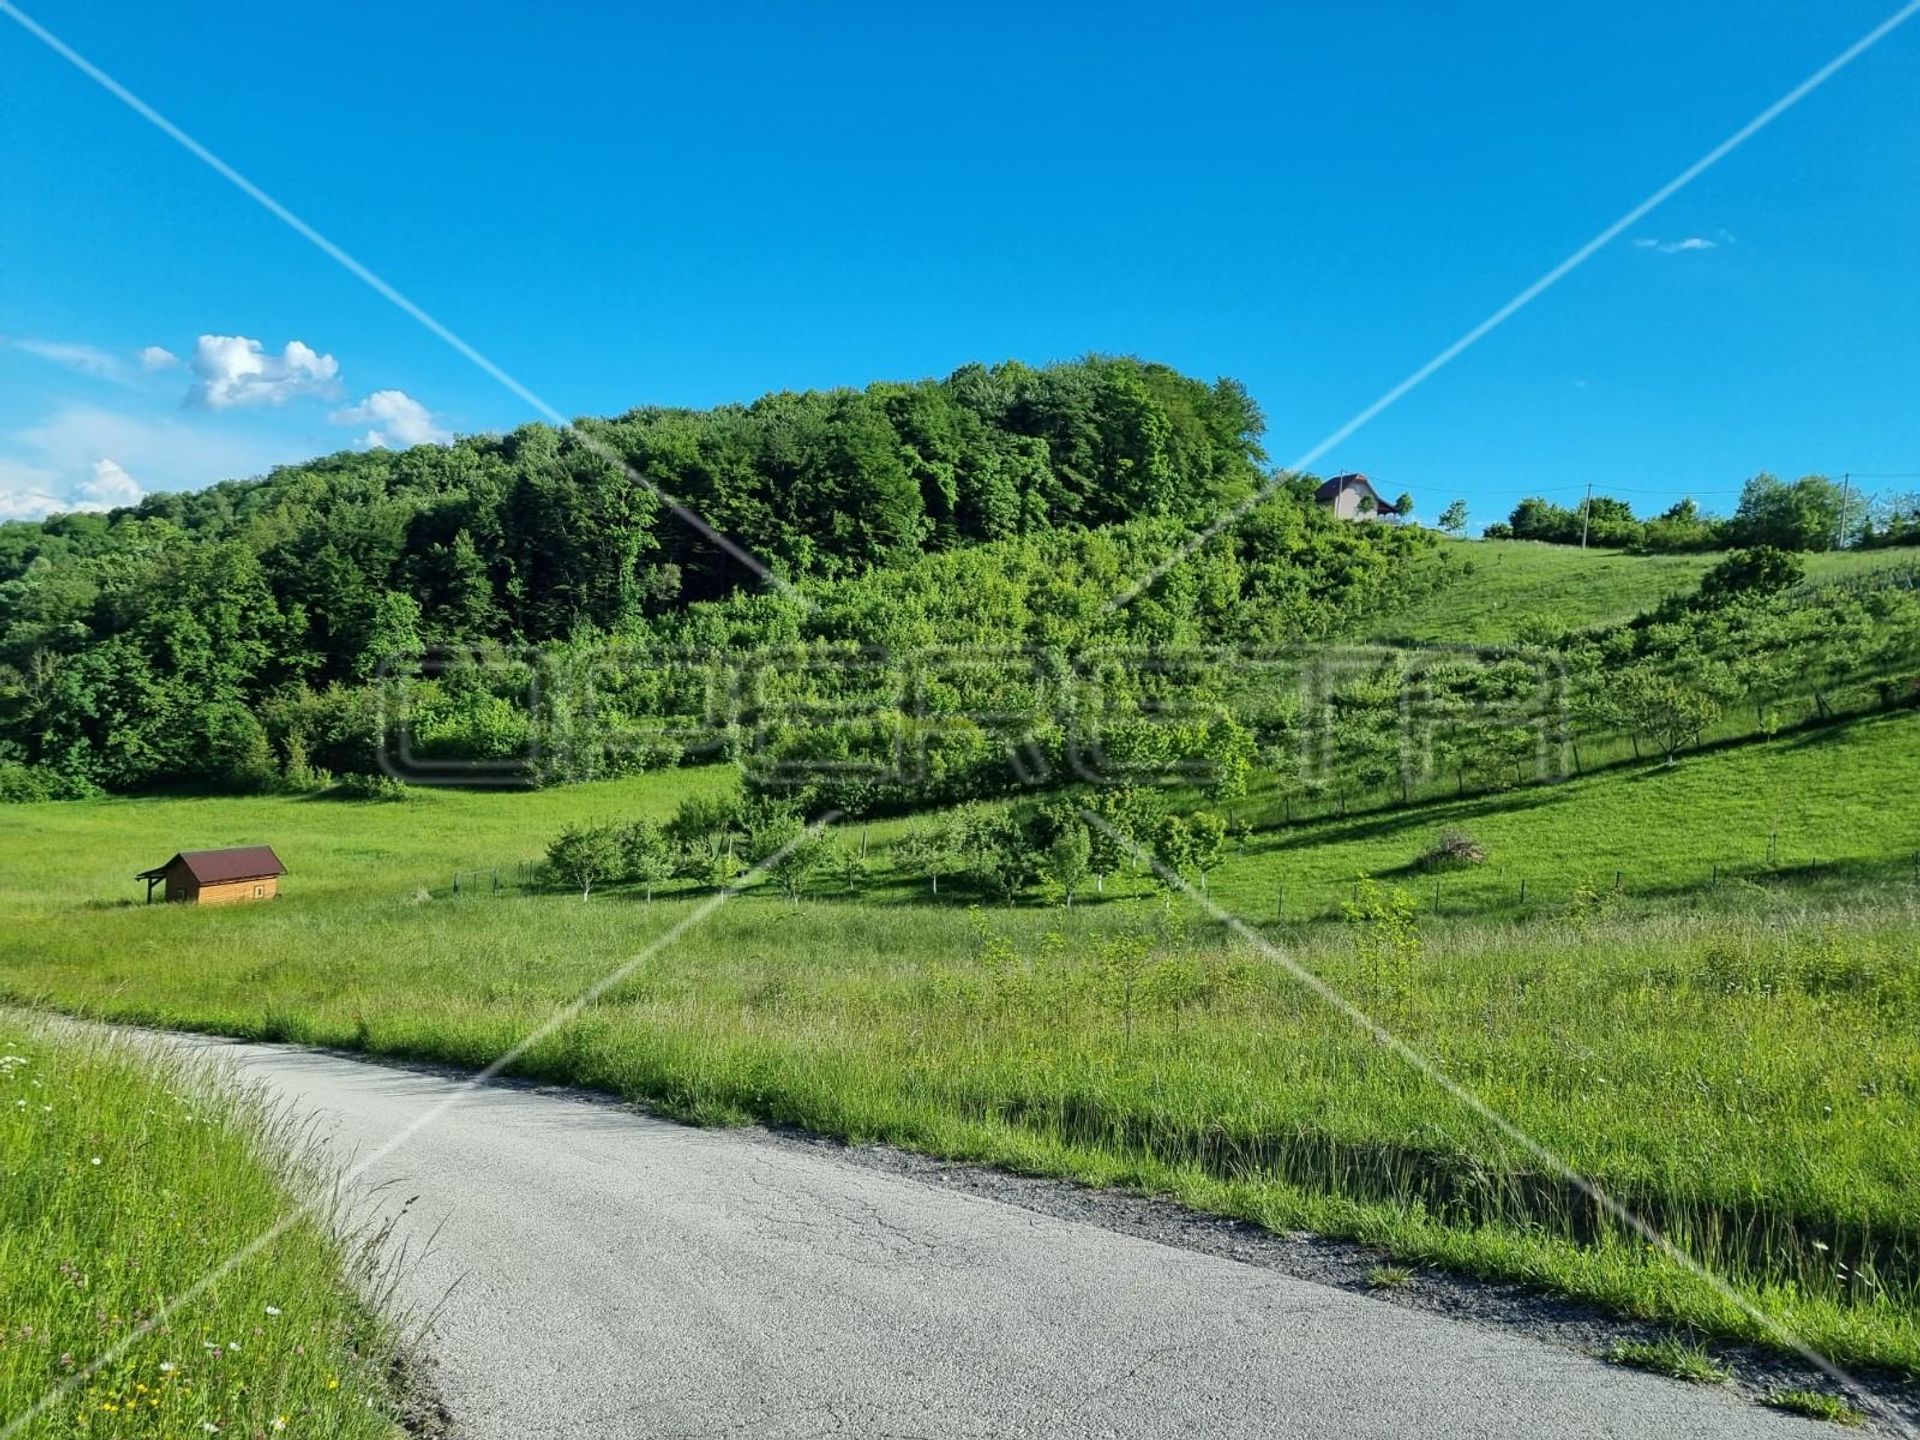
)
(1744, 1075)
(1502, 590)
(1807, 808)
(128, 1177)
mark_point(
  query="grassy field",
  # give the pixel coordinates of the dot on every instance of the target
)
(1510, 589)
(88, 853)
(1743, 1071)
(126, 1178)
(1805, 810)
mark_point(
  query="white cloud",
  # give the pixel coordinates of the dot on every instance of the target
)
(398, 420)
(110, 487)
(30, 492)
(62, 462)
(1676, 247)
(158, 357)
(87, 359)
(27, 492)
(232, 370)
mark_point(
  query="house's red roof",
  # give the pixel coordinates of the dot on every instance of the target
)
(216, 867)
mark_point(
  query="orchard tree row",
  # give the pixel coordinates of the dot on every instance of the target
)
(1061, 848)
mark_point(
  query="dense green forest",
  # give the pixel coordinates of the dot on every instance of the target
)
(231, 634)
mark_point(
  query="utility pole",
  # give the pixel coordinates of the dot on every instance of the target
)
(1586, 514)
(1846, 489)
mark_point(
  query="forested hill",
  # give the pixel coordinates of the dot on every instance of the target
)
(532, 534)
(230, 633)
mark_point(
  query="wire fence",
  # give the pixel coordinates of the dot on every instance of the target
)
(513, 877)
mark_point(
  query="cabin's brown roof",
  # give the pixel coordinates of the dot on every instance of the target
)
(215, 867)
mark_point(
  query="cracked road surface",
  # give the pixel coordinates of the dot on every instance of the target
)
(593, 1272)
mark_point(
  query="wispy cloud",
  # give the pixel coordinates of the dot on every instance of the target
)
(158, 357)
(1676, 247)
(86, 359)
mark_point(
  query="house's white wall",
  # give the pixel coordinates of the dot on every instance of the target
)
(1346, 505)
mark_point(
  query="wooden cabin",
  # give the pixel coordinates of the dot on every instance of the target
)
(217, 877)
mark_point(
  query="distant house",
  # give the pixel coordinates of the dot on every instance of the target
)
(218, 877)
(1352, 497)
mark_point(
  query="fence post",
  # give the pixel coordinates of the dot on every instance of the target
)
(1523, 894)
(1716, 874)
(1619, 879)
(496, 879)
(456, 882)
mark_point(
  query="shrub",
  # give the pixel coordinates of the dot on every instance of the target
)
(1762, 570)
(24, 784)
(1454, 849)
(701, 818)
(372, 787)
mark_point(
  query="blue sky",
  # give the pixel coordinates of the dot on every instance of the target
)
(681, 204)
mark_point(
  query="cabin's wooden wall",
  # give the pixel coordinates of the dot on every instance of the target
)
(228, 892)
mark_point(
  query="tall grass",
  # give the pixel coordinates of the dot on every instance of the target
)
(127, 1177)
(1747, 1086)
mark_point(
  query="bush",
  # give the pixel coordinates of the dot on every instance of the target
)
(1453, 850)
(372, 787)
(1762, 570)
(29, 784)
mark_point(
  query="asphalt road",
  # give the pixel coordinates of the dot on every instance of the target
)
(597, 1273)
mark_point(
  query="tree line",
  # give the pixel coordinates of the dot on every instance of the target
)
(1812, 513)
(227, 633)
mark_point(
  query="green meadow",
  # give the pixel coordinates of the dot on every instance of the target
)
(1494, 591)
(1735, 1057)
